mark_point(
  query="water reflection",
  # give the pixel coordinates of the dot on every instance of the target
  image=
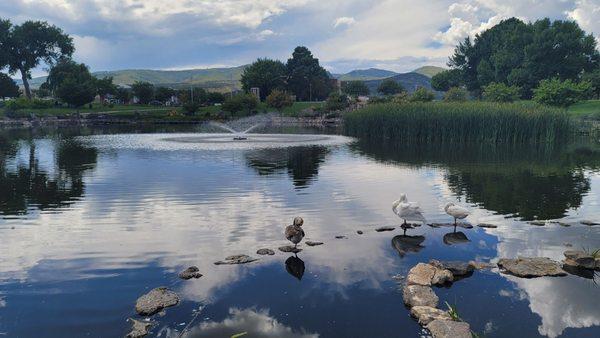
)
(295, 267)
(301, 163)
(455, 237)
(534, 182)
(246, 323)
(407, 244)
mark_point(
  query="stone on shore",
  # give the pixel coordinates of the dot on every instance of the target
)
(139, 328)
(579, 259)
(156, 300)
(236, 259)
(427, 314)
(530, 267)
(382, 229)
(440, 328)
(311, 243)
(289, 248)
(189, 273)
(419, 295)
(264, 252)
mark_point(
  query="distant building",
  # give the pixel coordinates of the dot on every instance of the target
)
(256, 92)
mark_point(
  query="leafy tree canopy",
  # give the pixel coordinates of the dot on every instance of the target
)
(72, 83)
(306, 78)
(447, 79)
(389, 87)
(8, 87)
(266, 75)
(355, 88)
(144, 91)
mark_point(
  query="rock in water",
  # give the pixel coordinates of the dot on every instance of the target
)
(487, 225)
(589, 223)
(189, 273)
(427, 314)
(457, 268)
(441, 277)
(139, 329)
(455, 238)
(405, 244)
(449, 329)
(340, 237)
(360, 232)
(418, 295)
(236, 259)
(529, 267)
(579, 259)
(538, 223)
(264, 252)
(289, 248)
(382, 229)
(311, 243)
(156, 300)
(421, 274)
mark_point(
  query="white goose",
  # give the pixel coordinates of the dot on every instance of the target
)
(408, 211)
(456, 211)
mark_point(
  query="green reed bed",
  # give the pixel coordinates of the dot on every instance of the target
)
(513, 123)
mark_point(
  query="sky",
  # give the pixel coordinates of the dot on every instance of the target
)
(398, 35)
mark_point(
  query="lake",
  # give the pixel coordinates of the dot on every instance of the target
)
(93, 218)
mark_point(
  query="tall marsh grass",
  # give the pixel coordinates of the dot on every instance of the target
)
(446, 122)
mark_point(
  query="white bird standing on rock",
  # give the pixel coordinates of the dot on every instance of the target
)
(408, 211)
(456, 211)
(294, 232)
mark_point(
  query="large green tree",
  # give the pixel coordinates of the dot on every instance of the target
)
(8, 87)
(523, 54)
(389, 87)
(105, 86)
(144, 91)
(447, 79)
(306, 78)
(23, 47)
(593, 78)
(265, 74)
(72, 82)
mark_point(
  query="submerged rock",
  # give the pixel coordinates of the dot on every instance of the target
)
(427, 314)
(236, 259)
(589, 223)
(311, 243)
(189, 273)
(455, 238)
(530, 267)
(382, 229)
(264, 252)
(456, 267)
(139, 328)
(579, 259)
(487, 225)
(419, 295)
(289, 248)
(156, 300)
(440, 328)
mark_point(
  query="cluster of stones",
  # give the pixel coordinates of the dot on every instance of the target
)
(423, 302)
(581, 260)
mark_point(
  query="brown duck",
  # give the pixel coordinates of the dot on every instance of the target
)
(294, 232)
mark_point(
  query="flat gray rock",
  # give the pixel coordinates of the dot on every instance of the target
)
(311, 243)
(189, 273)
(454, 238)
(420, 274)
(530, 267)
(440, 328)
(289, 248)
(419, 295)
(480, 265)
(264, 252)
(156, 300)
(456, 267)
(451, 225)
(236, 259)
(427, 314)
(139, 328)
(382, 229)
(589, 223)
(579, 259)
(487, 225)
(538, 223)
(340, 237)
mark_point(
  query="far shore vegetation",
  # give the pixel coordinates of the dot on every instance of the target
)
(535, 95)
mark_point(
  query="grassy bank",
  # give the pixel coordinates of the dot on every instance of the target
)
(586, 110)
(436, 122)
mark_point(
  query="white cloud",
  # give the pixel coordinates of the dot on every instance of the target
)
(344, 21)
(587, 14)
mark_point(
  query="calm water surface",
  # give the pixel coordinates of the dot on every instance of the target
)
(92, 220)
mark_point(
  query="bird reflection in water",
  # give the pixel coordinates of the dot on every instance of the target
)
(295, 267)
(405, 244)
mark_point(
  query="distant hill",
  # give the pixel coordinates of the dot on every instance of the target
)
(409, 81)
(365, 75)
(429, 71)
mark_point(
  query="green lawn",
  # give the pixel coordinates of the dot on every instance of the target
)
(586, 110)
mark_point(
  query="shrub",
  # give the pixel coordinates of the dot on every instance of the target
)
(240, 103)
(191, 108)
(555, 92)
(389, 87)
(401, 98)
(455, 94)
(336, 102)
(279, 99)
(422, 95)
(500, 92)
(23, 103)
(355, 88)
(75, 92)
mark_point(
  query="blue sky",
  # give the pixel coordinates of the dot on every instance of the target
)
(398, 35)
